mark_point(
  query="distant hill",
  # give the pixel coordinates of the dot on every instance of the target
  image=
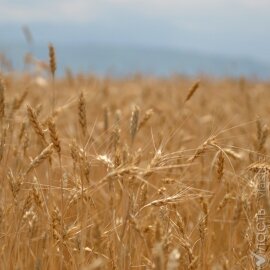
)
(125, 60)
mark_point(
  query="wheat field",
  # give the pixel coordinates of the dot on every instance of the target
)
(133, 173)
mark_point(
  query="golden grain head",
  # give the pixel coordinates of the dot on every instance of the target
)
(52, 59)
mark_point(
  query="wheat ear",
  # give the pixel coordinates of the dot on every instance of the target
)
(82, 113)
(134, 120)
(192, 90)
(46, 153)
(32, 115)
(52, 69)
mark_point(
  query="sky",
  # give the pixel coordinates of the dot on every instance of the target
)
(223, 27)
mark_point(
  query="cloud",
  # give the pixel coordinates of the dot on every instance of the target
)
(48, 11)
(85, 10)
(229, 26)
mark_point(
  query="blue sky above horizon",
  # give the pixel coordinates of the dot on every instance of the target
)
(225, 27)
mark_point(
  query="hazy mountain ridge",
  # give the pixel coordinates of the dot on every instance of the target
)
(124, 60)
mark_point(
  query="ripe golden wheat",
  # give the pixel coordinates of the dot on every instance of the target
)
(101, 183)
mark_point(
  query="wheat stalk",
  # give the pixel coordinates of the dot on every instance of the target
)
(2, 99)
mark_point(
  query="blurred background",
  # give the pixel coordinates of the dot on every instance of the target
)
(156, 37)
